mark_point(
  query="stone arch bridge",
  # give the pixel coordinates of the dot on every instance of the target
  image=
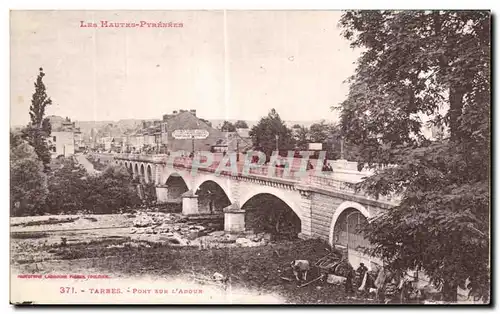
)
(327, 208)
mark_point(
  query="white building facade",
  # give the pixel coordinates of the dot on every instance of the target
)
(62, 143)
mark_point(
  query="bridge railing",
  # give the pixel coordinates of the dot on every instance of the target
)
(263, 170)
(335, 180)
(331, 183)
(328, 181)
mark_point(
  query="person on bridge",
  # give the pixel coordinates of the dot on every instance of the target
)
(326, 166)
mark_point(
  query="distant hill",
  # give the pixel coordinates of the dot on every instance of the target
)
(87, 126)
(251, 123)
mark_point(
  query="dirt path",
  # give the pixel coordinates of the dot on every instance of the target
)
(85, 163)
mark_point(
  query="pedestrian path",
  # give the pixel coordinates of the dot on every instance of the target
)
(82, 160)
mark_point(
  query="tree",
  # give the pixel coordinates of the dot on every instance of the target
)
(329, 135)
(39, 128)
(301, 135)
(413, 63)
(264, 134)
(241, 124)
(28, 182)
(319, 132)
(73, 190)
(227, 127)
(112, 191)
(68, 188)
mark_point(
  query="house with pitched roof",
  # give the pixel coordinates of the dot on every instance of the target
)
(156, 136)
(187, 120)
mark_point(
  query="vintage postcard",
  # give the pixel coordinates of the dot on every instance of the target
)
(250, 157)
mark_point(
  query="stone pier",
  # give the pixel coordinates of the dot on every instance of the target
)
(234, 219)
(161, 193)
(190, 203)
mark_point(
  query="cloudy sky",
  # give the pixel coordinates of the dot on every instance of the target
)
(236, 67)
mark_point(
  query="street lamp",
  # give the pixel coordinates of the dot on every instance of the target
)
(238, 150)
(193, 144)
(277, 138)
(342, 148)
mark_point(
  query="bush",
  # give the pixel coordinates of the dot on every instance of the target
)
(96, 162)
(149, 193)
(68, 189)
(28, 182)
(72, 190)
(111, 191)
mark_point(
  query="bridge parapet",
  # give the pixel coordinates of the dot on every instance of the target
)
(142, 157)
(330, 183)
(338, 180)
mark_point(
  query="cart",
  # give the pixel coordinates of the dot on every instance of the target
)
(327, 264)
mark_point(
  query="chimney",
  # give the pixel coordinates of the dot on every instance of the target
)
(193, 112)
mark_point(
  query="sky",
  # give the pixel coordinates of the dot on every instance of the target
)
(226, 65)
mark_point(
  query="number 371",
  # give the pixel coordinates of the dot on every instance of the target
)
(66, 290)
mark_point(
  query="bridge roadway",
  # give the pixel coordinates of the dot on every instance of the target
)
(323, 201)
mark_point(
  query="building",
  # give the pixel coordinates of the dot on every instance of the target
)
(156, 136)
(62, 143)
(238, 141)
(135, 141)
(79, 141)
(62, 136)
(187, 120)
(106, 142)
(108, 138)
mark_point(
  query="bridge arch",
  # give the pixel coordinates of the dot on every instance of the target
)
(136, 170)
(212, 196)
(176, 186)
(128, 166)
(149, 174)
(224, 184)
(142, 172)
(341, 209)
(176, 174)
(294, 205)
(277, 215)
